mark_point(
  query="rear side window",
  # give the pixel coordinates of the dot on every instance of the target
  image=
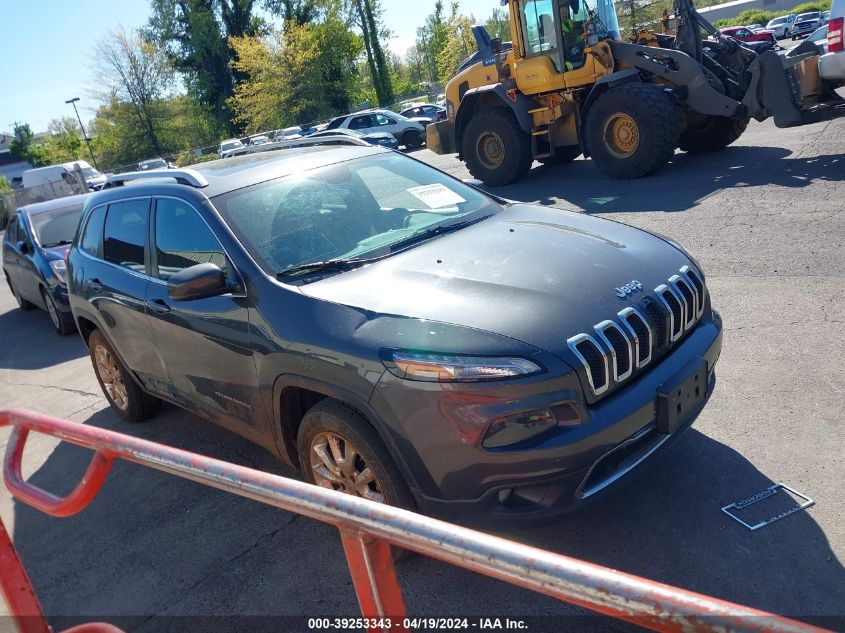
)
(92, 238)
(360, 123)
(183, 239)
(124, 234)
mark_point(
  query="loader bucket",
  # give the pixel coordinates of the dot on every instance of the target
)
(788, 88)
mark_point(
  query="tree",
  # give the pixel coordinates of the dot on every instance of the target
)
(136, 72)
(431, 37)
(299, 74)
(368, 13)
(498, 25)
(24, 147)
(194, 36)
(459, 42)
(64, 144)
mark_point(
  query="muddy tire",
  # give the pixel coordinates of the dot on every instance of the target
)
(338, 449)
(563, 155)
(495, 148)
(124, 395)
(632, 130)
(711, 133)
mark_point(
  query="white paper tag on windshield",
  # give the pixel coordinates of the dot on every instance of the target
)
(436, 196)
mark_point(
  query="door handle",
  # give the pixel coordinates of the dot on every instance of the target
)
(159, 306)
(94, 284)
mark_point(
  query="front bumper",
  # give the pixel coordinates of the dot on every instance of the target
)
(458, 480)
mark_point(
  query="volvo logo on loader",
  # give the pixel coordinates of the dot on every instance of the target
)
(628, 289)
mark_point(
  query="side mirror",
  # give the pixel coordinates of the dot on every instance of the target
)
(197, 282)
(22, 247)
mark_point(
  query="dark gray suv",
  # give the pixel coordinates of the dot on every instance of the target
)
(394, 332)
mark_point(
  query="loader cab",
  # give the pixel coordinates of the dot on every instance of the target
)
(561, 30)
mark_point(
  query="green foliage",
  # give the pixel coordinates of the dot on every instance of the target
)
(302, 73)
(431, 38)
(498, 25)
(758, 16)
(187, 158)
(120, 141)
(194, 36)
(459, 42)
(5, 187)
(25, 148)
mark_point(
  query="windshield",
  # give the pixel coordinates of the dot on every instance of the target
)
(231, 145)
(808, 16)
(777, 21)
(90, 172)
(56, 227)
(356, 209)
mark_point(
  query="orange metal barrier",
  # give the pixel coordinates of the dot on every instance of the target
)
(367, 529)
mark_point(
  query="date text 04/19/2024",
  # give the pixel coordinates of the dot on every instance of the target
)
(417, 624)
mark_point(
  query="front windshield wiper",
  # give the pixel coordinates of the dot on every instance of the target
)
(59, 243)
(434, 231)
(325, 266)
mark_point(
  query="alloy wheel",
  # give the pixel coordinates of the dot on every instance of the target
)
(111, 376)
(338, 465)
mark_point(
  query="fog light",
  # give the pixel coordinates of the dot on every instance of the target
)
(517, 428)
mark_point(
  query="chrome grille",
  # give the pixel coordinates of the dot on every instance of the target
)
(617, 348)
(641, 333)
(621, 352)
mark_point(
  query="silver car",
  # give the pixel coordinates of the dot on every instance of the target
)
(408, 132)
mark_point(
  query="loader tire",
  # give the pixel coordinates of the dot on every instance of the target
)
(632, 130)
(712, 133)
(495, 149)
(562, 155)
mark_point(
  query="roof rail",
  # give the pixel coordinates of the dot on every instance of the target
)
(182, 176)
(305, 141)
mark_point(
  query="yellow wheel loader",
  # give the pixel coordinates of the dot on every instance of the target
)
(567, 85)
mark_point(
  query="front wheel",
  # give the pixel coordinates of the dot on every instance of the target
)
(60, 324)
(339, 450)
(706, 133)
(495, 148)
(412, 140)
(632, 130)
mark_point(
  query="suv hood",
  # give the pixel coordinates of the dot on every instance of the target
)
(535, 274)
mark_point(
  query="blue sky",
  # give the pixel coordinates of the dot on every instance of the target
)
(47, 47)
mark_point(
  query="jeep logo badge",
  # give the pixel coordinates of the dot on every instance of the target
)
(627, 289)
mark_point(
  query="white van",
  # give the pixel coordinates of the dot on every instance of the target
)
(57, 173)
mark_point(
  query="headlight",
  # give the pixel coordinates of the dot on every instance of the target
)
(443, 368)
(59, 269)
(515, 429)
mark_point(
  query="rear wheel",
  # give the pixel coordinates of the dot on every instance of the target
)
(495, 149)
(706, 133)
(23, 304)
(562, 155)
(124, 395)
(632, 130)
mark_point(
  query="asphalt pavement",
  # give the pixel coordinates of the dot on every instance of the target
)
(766, 220)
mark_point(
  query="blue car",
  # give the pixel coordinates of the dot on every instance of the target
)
(382, 139)
(34, 247)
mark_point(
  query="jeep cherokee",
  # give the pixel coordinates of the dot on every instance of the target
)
(393, 332)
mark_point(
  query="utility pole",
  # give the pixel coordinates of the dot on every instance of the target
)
(84, 135)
